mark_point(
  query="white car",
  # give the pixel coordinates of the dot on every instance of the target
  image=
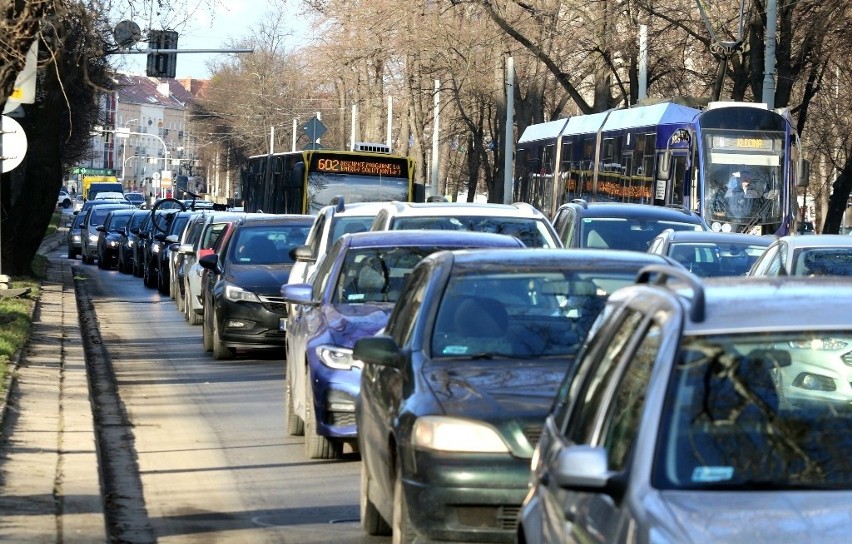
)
(214, 225)
(64, 200)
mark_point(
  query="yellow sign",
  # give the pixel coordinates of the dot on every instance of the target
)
(25, 83)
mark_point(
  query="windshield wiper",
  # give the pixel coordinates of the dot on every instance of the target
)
(770, 485)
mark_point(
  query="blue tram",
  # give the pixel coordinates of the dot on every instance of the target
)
(736, 164)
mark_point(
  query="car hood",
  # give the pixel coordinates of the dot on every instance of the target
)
(261, 279)
(755, 517)
(496, 389)
(346, 323)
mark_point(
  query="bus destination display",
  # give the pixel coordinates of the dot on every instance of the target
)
(359, 166)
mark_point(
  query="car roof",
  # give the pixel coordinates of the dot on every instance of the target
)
(276, 219)
(414, 238)
(817, 240)
(676, 236)
(357, 209)
(747, 303)
(633, 210)
(573, 258)
(124, 211)
(427, 209)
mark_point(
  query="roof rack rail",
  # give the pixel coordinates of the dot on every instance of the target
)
(664, 273)
(581, 201)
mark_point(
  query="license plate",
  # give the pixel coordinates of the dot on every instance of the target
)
(282, 324)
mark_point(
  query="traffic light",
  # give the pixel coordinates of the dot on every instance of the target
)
(162, 64)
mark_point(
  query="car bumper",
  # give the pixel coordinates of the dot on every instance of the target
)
(335, 392)
(465, 497)
(250, 325)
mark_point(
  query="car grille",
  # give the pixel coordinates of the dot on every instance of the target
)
(275, 305)
(533, 434)
(498, 517)
(339, 419)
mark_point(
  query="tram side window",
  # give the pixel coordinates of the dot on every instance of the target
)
(678, 175)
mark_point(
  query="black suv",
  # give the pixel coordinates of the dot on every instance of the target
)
(619, 225)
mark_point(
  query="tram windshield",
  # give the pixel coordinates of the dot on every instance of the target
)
(743, 178)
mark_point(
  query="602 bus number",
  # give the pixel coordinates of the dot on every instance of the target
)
(359, 167)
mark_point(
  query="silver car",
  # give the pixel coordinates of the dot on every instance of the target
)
(684, 420)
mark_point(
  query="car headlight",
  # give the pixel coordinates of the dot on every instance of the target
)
(155, 248)
(131, 243)
(814, 382)
(238, 294)
(93, 238)
(76, 238)
(443, 433)
(338, 358)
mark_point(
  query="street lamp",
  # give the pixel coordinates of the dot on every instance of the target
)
(124, 148)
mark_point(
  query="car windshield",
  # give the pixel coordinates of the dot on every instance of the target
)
(268, 244)
(520, 313)
(349, 225)
(532, 232)
(118, 221)
(823, 261)
(621, 233)
(716, 259)
(761, 411)
(376, 274)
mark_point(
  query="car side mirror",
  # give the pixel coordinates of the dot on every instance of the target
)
(210, 262)
(134, 230)
(586, 468)
(160, 237)
(298, 293)
(302, 253)
(100, 228)
(204, 252)
(377, 350)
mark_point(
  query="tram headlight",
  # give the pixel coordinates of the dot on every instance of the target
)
(716, 226)
(727, 227)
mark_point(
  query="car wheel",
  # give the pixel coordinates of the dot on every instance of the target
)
(206, 334)
(295, 425)
(72, 254)
(316, 446)
(147, 278)
(137, 269)
(194, 318)
(178, 299)
(371, 521)
(220, 350)
(402, 530)
(162, 286)
(100, 262)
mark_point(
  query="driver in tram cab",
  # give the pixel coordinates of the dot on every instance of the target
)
(743, 196)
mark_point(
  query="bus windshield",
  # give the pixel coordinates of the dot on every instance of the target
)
(743, 176)
(323, 187)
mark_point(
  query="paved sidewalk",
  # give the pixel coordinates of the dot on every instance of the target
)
(49, 481)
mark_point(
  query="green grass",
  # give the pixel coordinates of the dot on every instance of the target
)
(16, 313)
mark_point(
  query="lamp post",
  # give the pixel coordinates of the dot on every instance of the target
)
(124, 132)
(124, 149)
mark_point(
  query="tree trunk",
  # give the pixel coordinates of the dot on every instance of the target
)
(839, 197)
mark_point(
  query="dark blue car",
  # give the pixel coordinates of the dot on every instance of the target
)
(353, 292)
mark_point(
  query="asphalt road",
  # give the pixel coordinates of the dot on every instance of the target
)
(199, 445)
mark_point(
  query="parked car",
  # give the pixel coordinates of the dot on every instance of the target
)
(141, 235)
(109, 237)
(708, 253)
(94, 217)
(455, 390)
(242, 304)
(152, 244)
(163, 257)
(129, 241)
(64, 200)
(355, 288)
(137, 199)
(806, 255)
(520, 220)
(330, 223)
(678, 423)
(214, 224)
(74, 238)
(619, 225)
